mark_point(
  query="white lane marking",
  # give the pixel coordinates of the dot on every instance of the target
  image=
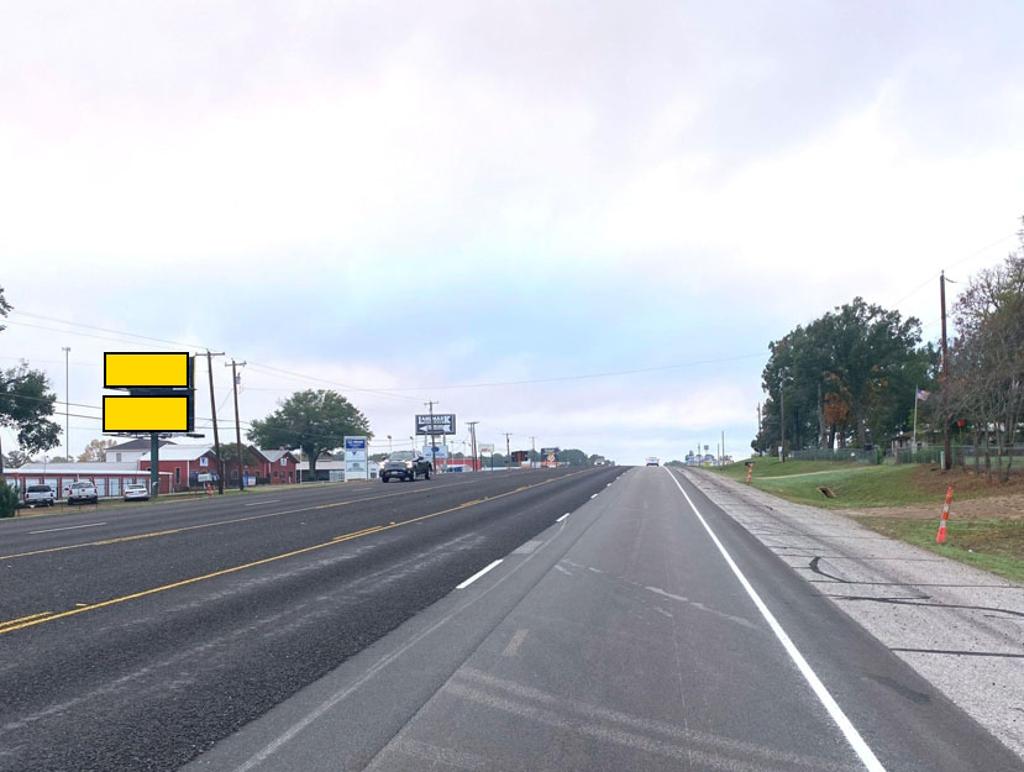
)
(609, 485)
(68, 528)
(565, 571)
(257, 503)
(594, 496)
(861, 748)
(562, 517)
(513, 645)
(477, 575)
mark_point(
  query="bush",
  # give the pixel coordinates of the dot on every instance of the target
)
(8, 500)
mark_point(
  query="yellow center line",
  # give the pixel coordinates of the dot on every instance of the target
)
(231, 521)
(22, 619)
(37, 619)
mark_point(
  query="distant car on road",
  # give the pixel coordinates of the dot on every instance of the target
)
(40, 496)
(82, 492)
(405, 465)
(653, 461)
(135, 492)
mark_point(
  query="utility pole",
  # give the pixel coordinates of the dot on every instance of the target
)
(213, 409)
(238, 427)
(947, 461)
(472, 439)
(533, 449)
(433, 437)
(508, 453)
(67, 401)
(782, 421)
(721, 461)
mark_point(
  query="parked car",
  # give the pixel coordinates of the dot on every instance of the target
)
(136, 492)
(83, 492)
(40, 496)
(405, 465)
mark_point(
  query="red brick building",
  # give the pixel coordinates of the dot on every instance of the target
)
(183, 467)
(280, 467)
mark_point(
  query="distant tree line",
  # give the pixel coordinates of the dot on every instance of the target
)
(849, 378)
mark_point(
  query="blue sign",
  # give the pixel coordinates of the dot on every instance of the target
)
(355, 443)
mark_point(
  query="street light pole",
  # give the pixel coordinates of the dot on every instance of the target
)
(472, 439)
(67, 401)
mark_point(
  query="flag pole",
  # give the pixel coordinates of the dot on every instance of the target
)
(913, 442)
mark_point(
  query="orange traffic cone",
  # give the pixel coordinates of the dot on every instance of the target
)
(940, 537)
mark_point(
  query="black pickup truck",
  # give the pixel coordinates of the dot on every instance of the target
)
(405, 465)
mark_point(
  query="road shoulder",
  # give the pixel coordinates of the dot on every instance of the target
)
(960, 628)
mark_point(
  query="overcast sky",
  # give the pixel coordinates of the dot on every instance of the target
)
(416, 198)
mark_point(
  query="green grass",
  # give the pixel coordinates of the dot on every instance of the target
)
(854, 485)
(993, 545)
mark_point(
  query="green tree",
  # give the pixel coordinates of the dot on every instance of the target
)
(16, 458)
(313, 420)
(96, 450)
(847, 377)
(573, 457)
(26, 403)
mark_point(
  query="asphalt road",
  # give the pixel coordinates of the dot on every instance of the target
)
(601, 620)
(136, 638)
(645, 631)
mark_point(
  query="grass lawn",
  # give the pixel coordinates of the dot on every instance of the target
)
(904, 501)
(994, 545)
(854, 485)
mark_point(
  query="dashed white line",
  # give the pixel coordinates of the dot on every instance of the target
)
(477, 575)
(257, 503)
(562, 517)
(68, 528)
(594, 496)
(857, 743)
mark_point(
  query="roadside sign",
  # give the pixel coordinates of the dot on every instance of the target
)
(439, 423)
(487, 449)
(142, 370)
(356, 464)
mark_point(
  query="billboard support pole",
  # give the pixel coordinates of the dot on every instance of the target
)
(154, 464)
(433, 438)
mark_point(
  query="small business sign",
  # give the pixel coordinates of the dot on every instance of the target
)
(356, 466)
(440, 452)
(487, 449)
(439, 423)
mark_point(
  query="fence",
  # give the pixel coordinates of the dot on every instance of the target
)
(873, 456)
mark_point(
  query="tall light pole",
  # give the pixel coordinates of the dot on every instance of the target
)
(472, 436)
(508, 453)
(67, 400)
(390, 447)
(533, 449)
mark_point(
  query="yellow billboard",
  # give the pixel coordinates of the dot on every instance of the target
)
(146, 413)
(140, 370)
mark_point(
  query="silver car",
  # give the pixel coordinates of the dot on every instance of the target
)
(136, 492)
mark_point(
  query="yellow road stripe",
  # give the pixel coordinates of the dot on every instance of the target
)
(38, 619)
(23, 619)
(232, 521)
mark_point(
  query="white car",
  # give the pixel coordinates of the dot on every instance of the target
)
(653, 461)
(82, 492)
(136, 493)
